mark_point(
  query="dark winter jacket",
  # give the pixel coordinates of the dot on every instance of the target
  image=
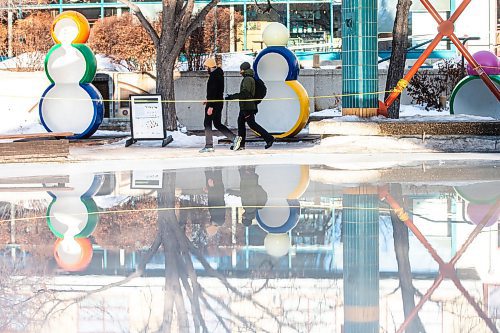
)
(247, 91)
(253, 196)
(215, 193)
(215, 88)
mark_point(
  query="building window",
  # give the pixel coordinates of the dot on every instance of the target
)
(310, 23)
(257, 21)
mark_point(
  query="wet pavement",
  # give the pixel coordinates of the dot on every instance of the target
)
(253, 248)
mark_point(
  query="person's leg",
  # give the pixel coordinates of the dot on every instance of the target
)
(217, 120)
(250, 119)
(242, 132)
(209, 141)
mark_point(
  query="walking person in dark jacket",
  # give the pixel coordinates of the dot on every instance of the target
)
(215, 192)
(214, 105)
(253, 196)
(248, 109)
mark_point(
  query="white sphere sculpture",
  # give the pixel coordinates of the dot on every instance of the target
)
(276, 34)
(277, 245)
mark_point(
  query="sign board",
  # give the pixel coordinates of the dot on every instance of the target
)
(147, 179)
(146, 119)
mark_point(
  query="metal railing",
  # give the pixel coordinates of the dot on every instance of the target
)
(463, 39)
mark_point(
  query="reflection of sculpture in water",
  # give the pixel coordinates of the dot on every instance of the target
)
(72, 217)
(181, 278)
(284, 184)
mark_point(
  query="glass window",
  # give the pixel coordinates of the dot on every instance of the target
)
(310, 23)
(257, 21)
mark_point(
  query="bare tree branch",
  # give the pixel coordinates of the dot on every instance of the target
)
(267, 8)
(138, 272)
(211, 309)
(242, 319)
(198, 19)
(144, 21)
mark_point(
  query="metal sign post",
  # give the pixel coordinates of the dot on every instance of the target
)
(146, 120)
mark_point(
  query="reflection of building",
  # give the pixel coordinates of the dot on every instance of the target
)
(322, 271)
(313, 22)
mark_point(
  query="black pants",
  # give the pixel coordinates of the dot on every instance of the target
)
(216, 119)
(249, 118)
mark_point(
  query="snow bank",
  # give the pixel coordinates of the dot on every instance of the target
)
(107, 64)
(31, 60)
(407, 113)
(19, 105)
(232, 61)
(35, 60)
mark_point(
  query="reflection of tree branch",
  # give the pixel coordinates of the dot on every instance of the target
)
(189, 269)
(211, 309)
(213, 272)
(226, 283)
(241, 319)
(402, 248)
(138, 272)
(394, 291)
(189, 293)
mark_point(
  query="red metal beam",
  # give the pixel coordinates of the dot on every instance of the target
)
(445, 28)
(445, 269)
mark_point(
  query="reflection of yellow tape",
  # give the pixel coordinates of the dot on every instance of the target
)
(201, 100)
(303, 183)
(401, 214)
(121, 211)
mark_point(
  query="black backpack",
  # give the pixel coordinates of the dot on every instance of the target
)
(260, 90)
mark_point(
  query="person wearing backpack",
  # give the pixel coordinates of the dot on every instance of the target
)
(248, 108)
(214, 106)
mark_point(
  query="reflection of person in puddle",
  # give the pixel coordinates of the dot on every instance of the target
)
(253, 196)
(216, 204)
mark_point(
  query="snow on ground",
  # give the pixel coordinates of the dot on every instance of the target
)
(232, 61)
(106, 64)
(35, 60)
(232, 200)
(407, 113)
(110, 201)
(383, 65)
(181, 140)
(456, 60)
(327, 113)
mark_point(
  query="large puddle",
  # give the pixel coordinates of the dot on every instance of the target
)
(265, 248)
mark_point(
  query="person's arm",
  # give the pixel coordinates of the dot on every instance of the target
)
(245, 90)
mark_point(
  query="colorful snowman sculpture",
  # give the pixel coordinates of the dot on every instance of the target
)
(286, 111)
(284, 185)
(72, 217)
(71, 103)
(471, 96)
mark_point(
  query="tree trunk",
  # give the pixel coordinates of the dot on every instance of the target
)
(398, 55)
(402, 248)
(165, 86)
